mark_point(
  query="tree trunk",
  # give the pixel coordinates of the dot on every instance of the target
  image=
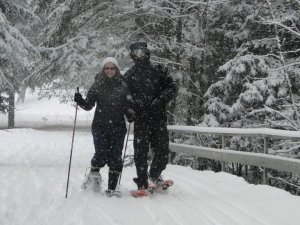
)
(139, 21)
(11, 109)
(21, 96)
(239, 169)
(191, 101)
(172, 106)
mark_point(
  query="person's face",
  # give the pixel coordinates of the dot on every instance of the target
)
(110, 69)
(140, 53)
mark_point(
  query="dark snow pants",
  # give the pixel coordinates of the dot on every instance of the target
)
(108, 142)
(156, 136)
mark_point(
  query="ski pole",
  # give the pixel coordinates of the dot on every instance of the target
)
(124, 152)
(76, 108)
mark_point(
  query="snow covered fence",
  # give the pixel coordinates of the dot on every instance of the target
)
(249, 158)
(249, 132)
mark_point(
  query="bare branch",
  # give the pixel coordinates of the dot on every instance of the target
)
(285, 27)
(298, 1)
(288, 150)
(286, 66)
(181, 120)
(294, 125)
(282, 59)
(190, 93)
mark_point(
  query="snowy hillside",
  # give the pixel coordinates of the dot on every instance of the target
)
(33, 175)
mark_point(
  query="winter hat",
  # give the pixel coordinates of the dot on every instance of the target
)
(111, 60)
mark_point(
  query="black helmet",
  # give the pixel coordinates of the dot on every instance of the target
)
(138, 45)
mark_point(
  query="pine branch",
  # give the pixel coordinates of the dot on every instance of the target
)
(7, 81)
(89, 18)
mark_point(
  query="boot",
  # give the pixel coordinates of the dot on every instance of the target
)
(95, 169)
(111, 193)
(142, 184)
(159, 184)
(157, 181)
(143, 188)
(113, 177)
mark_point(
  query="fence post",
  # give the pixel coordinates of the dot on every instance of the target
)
(171, 154)
(265, 178)
(223, 147)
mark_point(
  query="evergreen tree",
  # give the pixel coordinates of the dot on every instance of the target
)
(177, 33)
(16, 53)
(77, 35)
(257, 79)
(260, 82)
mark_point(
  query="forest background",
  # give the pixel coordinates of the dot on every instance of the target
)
(236, 62)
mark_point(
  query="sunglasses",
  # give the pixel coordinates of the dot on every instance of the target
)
(109, 68)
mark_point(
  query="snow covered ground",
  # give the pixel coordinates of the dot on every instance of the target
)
(50, 114)
(33, 176)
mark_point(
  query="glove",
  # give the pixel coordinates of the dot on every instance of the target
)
(78, 98)
(130, 115)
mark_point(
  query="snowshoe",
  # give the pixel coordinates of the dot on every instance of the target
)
(160, 184)
(92, 182)
(111, 193)
(143, 188)
(140, 193)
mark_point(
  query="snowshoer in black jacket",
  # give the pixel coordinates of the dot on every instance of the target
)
(151, 89)
(108, 128)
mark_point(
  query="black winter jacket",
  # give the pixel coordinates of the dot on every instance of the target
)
(110, 94)
(147, 83)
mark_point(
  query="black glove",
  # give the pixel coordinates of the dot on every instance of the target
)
(130, 119)
(130, 115)
(78, 98)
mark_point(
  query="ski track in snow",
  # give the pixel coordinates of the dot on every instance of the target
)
(33, 175)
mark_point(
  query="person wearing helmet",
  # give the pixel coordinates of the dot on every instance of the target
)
(151, 89)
